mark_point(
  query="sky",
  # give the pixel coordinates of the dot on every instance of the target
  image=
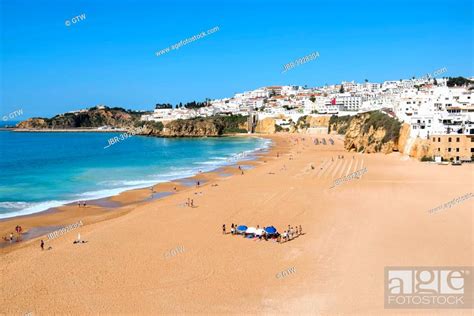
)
(48, 67)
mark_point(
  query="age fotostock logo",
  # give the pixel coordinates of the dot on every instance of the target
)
(428, 287)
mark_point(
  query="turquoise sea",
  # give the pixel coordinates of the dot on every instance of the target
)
(43, 170)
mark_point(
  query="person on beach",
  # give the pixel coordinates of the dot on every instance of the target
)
(11, 237)
(223, 229)
(232, 230)
(198, 183)
(42, 244)
(301, 230)
(78, 240)
(79, 203)
(192, 203)
(84, 204)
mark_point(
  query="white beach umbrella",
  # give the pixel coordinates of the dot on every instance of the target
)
(250, 230)
(259, 232)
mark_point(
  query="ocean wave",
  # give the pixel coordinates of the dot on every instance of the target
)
(26, 208)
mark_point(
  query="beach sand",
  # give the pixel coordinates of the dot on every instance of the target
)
(161, 257)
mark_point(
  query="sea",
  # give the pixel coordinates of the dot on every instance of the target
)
(39, 171)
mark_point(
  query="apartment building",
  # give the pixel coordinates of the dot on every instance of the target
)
(453, 147)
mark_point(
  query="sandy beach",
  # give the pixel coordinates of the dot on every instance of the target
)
(162, 257)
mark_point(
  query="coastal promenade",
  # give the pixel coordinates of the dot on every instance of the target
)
(350, 233)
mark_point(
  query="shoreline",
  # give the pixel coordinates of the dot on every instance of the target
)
(168, 258)
(238, 157)
(130, 198)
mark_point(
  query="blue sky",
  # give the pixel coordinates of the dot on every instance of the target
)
(109, 58)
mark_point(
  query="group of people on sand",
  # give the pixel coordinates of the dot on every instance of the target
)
(291, 233)
(11, 237)
(287, 235)
(81, 204)
(190, 202)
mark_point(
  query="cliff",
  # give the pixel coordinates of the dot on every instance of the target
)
(196, 127)
(121, 118)
(308, 121)
(192, 128)
(369, 132)
(413, 147)
(266, 126)
(92, 118)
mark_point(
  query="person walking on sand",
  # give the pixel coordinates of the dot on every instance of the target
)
(11, 237)
(42, 244)
(192, 203)
(223, 229)
(84, 203)
(301, 230)
(78, 203)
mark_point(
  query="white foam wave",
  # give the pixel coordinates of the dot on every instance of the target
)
(25, 208)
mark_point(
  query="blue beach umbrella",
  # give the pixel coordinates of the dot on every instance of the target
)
(241, 228)
(270, 230)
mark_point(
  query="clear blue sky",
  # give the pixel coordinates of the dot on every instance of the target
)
(109, 58)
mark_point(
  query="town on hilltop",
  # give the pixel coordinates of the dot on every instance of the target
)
(439, 109)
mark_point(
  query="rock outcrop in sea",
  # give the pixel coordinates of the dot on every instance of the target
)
(126, 119)
(92, 118)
